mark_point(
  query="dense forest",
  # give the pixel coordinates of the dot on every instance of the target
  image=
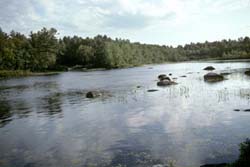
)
(42, 51)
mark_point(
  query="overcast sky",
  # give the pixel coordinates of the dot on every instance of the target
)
(169, 22)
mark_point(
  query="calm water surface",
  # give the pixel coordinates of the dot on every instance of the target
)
(47, 121)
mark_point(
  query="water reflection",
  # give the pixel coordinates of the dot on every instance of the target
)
(51, 104)
(16, 87)
(131, 153)
(50, 122)
(5, 113)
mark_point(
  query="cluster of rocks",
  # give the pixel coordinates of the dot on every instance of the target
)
(238, 110)
(165, 80)
(212, 76)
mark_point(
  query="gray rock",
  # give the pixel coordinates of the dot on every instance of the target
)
(93, 94)
(213, 77)
(153, 90)
(209, 68)
(166, 83)
(161, 76)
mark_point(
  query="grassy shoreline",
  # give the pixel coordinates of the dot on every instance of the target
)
(5, 74)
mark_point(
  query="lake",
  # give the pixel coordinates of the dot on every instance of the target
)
(47, 121)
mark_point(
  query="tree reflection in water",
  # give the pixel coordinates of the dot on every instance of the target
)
(5, 113)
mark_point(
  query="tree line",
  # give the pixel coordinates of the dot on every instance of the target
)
(42, 51)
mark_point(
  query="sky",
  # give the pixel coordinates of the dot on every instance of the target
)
(164, 22)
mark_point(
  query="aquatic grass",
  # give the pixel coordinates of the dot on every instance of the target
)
(244, 93)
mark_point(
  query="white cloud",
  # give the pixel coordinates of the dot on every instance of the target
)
(135, 19)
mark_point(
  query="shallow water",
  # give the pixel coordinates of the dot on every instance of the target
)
(47, 121)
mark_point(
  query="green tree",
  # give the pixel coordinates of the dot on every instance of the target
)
(44, 49)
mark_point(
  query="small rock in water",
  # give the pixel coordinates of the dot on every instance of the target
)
(209, 68)
(247, 110)
(138, 87)
(153, 90)
(213, 77)
(163, 77)
(237, 110)
(183, 76)
(170, 74)
(247, 73)
(93, 94)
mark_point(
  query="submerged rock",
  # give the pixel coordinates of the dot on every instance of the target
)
(209, 68)
(183, 76)
(213, 77)
(247, 110)
(247, 73)
(153, 90)
(93, 94)
(166, 83)
(237, 110)
(225, 73)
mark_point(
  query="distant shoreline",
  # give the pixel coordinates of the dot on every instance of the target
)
(6, 74)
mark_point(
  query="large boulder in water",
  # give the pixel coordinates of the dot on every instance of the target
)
(93, 94)
(213, 77)
(209, 68)
(166, 83)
